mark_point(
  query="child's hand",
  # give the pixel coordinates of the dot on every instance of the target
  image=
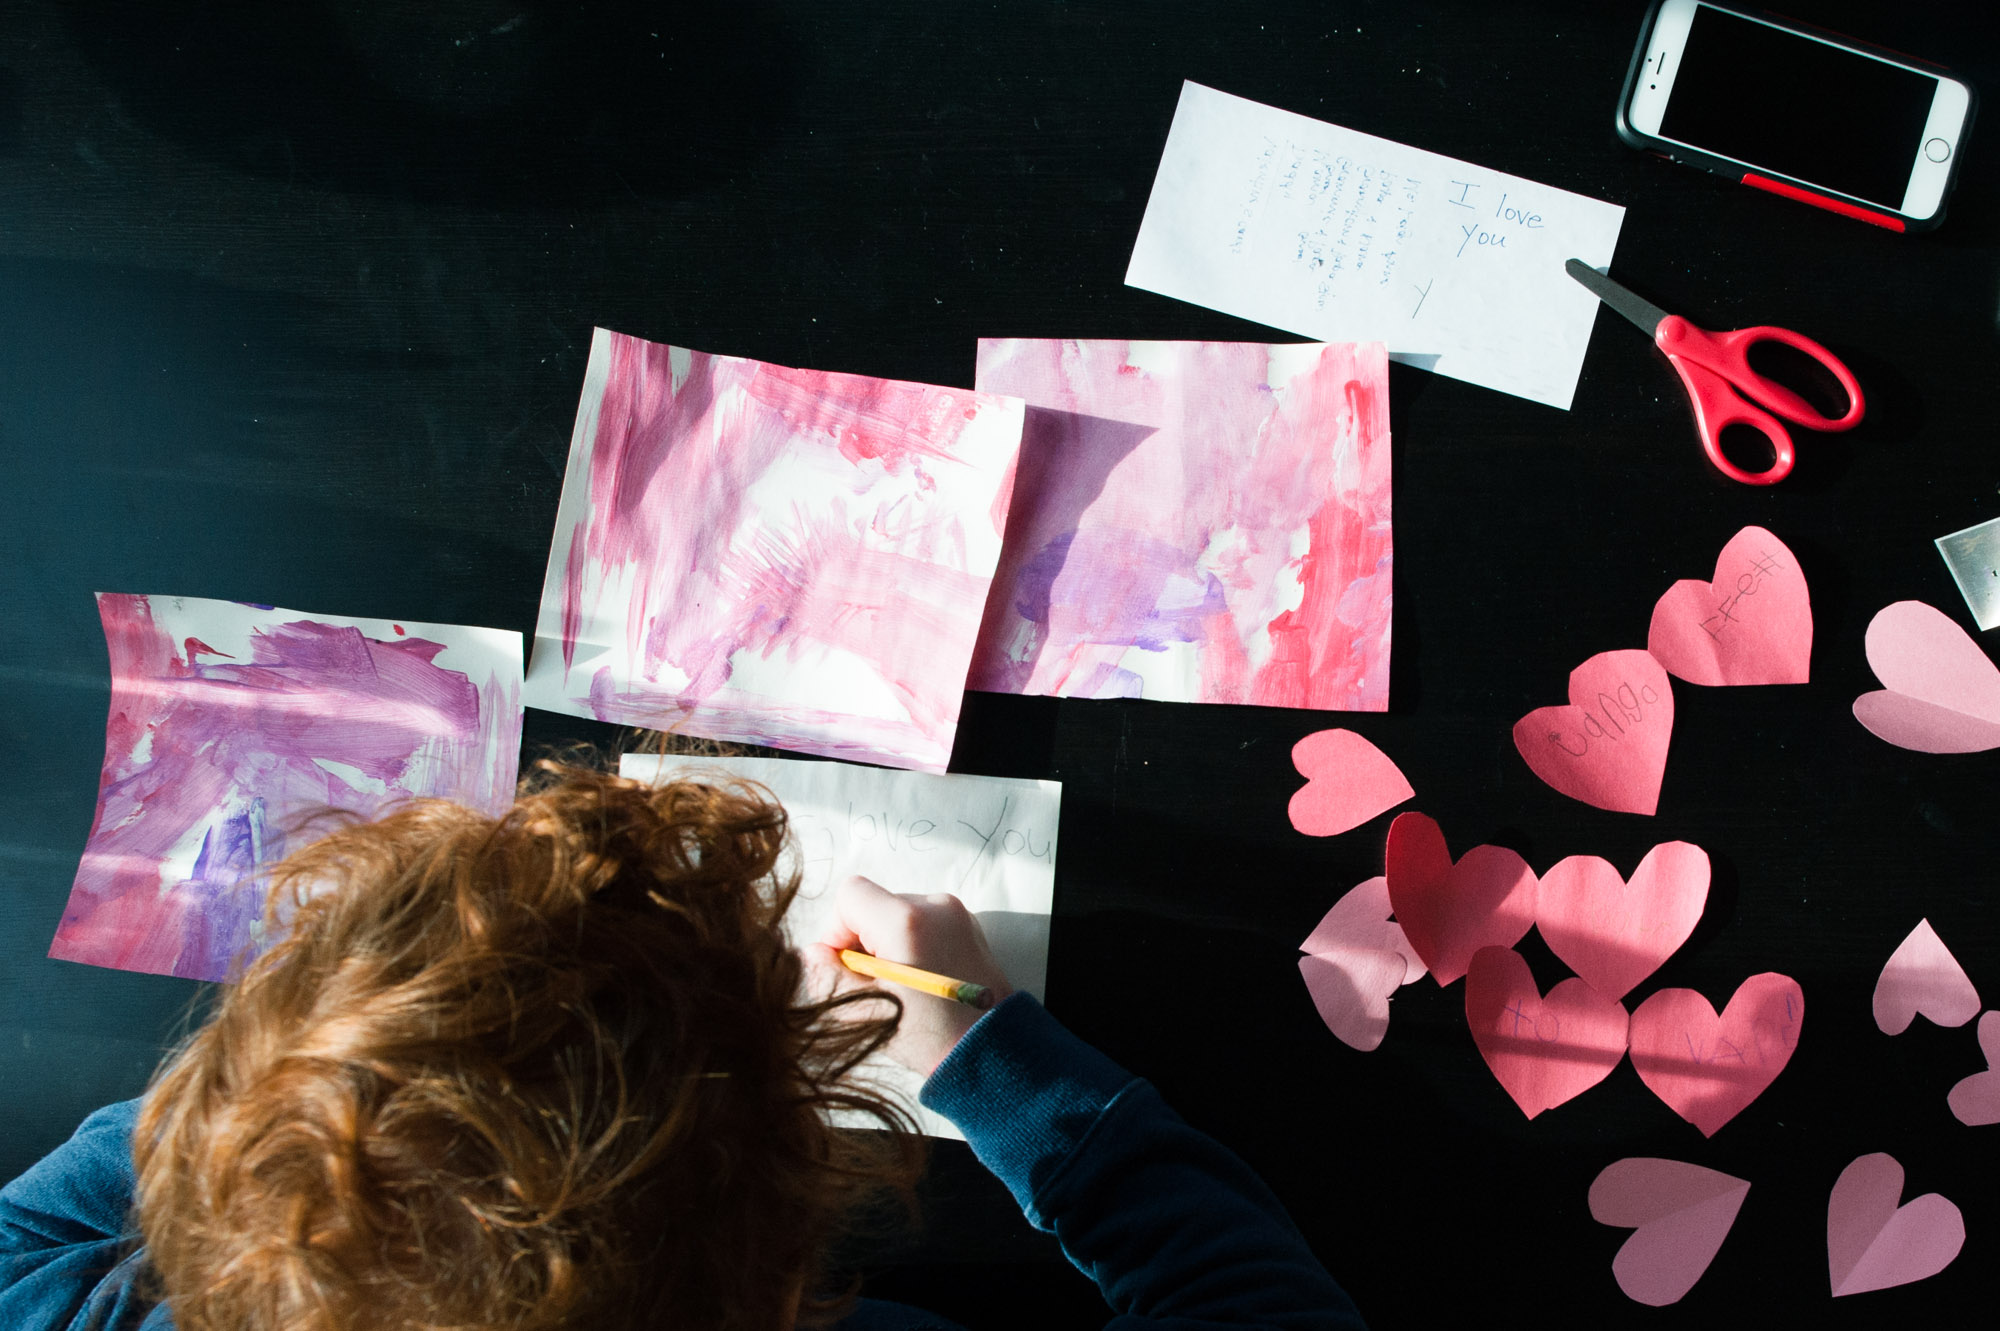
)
(935, 933)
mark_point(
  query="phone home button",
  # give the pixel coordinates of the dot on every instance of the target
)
(1937, 150)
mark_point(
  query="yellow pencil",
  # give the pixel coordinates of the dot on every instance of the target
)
(959, 991)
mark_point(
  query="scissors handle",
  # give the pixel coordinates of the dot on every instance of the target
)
(1725, 391)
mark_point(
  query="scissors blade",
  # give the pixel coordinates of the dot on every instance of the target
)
(1643, 313)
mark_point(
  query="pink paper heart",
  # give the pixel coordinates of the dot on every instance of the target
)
(1615, 933)
(1923, 976)
(1449, 911)
(1940, 693)
(1872, 1243)
(1708, 1068)
(1356, 958)
(1607, 746)
(1679, 1214)
(1348, 781)
(1752, 625)
(1544, 1049)
(1975, 1101)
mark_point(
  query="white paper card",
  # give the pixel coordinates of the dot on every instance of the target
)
(990, 841)
(1344, 237)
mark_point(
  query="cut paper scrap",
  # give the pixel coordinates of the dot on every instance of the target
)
(235, 730)
(1923, 976)
(1678, 1213)
(1330, 233)
(1545, 1049)
(1872, 1243)
(1612, 932)
(772, 556)
(1607, 745)
(1194, 522)
(1752, 625)
(990, 841)
(1356, 958)
(1348, 781)
(1450, 910)
(1940, 693)
(1709, 1068)
(1975, 1100)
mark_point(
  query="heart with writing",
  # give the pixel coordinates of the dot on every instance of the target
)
(1873, 1243)
(1679, 1214)
(1544, 1049)
(1348, 781)
(1752, 625)
(1614, 932)
(1975, 1101)
(1356, 958)
(1449, 910)
(1608, 745)
(1940, 693)
(1923, 976)
(1708, 1068)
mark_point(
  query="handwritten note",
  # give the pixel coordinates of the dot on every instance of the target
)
(990, 841)
(1343, 236)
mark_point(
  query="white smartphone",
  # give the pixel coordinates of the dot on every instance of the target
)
(1810, 115)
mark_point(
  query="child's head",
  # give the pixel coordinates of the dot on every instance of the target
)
(550, 1070)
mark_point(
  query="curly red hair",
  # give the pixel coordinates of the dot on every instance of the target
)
(553, 1069)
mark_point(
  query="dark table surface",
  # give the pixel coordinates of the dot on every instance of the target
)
(294, 304)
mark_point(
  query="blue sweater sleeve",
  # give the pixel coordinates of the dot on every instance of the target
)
(67, 1249)
(1174, 1228)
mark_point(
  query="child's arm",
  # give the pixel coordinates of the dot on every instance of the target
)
(1173, 1227)
(64, 1228)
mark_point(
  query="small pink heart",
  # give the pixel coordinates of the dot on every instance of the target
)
(1449, 911)
(1545, 1049)
(1872, 1243)
(1975, 1101)
(1752, 625)
(1607, 746)
(1613, 933)
(1940, 693)
(1708, 1068)
(1348, 781)
(1355, 959)
(1923, 976)
(1679, 1214)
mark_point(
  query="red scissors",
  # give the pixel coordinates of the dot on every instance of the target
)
(1721, 385)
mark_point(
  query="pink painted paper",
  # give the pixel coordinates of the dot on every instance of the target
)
(1922, 975)
(1544, 1049)
(1348, 781)
(1940, 693)
(1751, 625)
(772, 556)
(1975, 1100)
(1872, 1243)
(234, 729)
(1450, 909)
(1194, 522)
(1607, 745)
(1678, 1213)
(1709, 1067)
(1356, 958)
(1612, 932)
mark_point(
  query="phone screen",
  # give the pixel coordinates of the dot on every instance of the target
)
(1798, 107)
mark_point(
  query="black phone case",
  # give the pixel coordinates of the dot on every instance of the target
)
(1804, 191)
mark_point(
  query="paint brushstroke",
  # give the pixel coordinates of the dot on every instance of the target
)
(773, 556)
(1194, 522)
(235, 731)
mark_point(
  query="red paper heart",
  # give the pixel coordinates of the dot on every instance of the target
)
(1708, 1068)
(1612, 933)
(1348, 781)
(1449, 911)
(1752, 625)
(1975, 1101)
(1608, 745)
(1545, 1049)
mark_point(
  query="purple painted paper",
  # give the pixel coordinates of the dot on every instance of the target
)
(235, 731)
(1194, 522)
